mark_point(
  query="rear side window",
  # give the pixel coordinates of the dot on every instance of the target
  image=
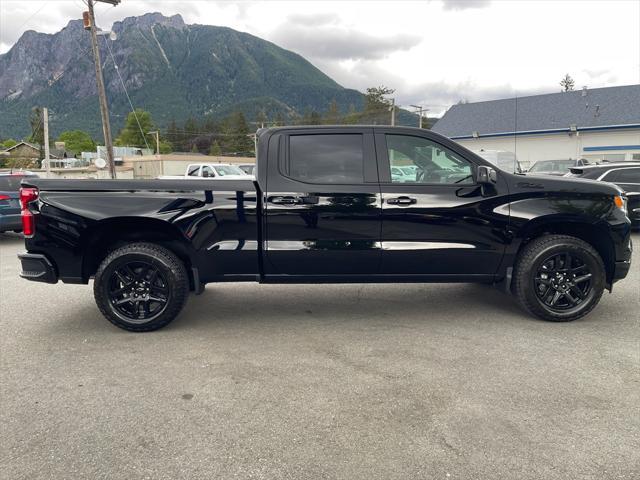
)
(11, 183)
(626, 175)
(326, 158)
(193, 170)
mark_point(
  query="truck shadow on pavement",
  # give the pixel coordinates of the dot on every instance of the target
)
(374, 306)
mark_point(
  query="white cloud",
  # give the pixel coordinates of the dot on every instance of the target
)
(433, 53)
(464, 4)
(340, 43)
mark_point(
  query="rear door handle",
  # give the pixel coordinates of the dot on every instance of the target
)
(288, 200)
(402, 201)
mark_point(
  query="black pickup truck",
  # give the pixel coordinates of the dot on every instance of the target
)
(324, 208)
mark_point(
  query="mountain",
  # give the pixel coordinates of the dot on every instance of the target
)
(172, 69)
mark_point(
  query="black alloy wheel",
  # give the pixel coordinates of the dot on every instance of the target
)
(138, 291)
(563, 281)
(141, 287)
(558, 277)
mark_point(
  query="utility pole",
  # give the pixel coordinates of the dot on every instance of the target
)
(393, 112)
(102, 96)
(157, 134)
(45, 123)
(420, 110)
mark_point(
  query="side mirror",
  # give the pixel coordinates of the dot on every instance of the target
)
(205, 173)
(486, 175)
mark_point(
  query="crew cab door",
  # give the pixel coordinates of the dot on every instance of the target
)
(438, 222)
(322, 205)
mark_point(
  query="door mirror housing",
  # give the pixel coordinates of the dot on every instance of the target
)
(486, 175)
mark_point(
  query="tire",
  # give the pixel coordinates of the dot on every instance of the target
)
(141, 287)
(546, 286)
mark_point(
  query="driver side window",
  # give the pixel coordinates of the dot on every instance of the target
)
(207, 171)
(417, 160)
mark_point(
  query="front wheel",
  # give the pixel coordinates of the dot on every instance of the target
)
(141, 287)
(559, 278)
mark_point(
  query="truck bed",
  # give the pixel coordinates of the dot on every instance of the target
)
(164, 185)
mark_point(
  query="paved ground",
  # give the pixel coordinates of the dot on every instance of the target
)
(352, 382)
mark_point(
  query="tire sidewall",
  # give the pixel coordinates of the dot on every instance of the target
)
(175, 282)
(597, 280)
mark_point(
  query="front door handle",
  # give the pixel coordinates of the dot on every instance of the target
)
(402, 201)
(288, 200)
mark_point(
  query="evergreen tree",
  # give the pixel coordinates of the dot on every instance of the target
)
(279, 120)
(377, 106)
(375, 101)
(567, 83)
(215, 149)
(315, 119)
(261, 118)
(236, 135)
(189, 132)
(332, 116)
(174, 135)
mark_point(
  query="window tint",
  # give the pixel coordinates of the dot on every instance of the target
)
(193, 170)
(325, 158)
(422, 161)
(626, 175)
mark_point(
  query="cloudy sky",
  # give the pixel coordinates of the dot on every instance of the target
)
(433, 52)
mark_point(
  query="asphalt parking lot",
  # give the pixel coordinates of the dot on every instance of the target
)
(331, 381)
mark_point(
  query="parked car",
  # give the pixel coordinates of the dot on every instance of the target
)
(626, 175)
(555, 167)
(325, 208)
(248, 168)
(403, 174)
(10, 201)
(220, 171)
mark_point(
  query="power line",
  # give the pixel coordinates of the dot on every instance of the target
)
(133, 110)
(31, 16)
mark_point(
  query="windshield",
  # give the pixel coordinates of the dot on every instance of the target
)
(229, 170)
(552, 166)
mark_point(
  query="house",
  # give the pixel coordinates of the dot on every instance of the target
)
(25, 154)
(594, 124)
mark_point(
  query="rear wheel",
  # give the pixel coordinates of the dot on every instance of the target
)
(141, 287)
(559, 278)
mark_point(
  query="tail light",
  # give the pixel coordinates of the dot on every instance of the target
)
(27, 195)
(4, 197)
